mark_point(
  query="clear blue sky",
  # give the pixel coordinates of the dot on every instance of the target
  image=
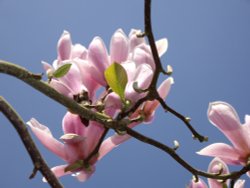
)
(209, 49)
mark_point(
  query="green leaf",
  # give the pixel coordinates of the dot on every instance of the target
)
(62, 70)
(117, 79)
(76, 165)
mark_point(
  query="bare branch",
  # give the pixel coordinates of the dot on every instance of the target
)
(36, 157)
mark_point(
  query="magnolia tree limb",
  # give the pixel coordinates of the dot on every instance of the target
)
(109, 123)
(37, 159)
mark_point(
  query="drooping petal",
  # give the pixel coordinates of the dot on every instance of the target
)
(150, 106)
(162, 46)
(46, 138)
(110, 143)
(226, 152)
(225, 118)
(64, 46)
(119, 47)
(217, 166)
(199, 184)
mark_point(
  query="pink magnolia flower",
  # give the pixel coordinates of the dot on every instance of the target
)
(224, 117)
(124, 50)
(78, 79)
(216, 166)
(147, 110)
(78, 142)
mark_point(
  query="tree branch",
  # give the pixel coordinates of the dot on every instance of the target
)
(36, 157)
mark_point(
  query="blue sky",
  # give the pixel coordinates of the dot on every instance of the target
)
(209, 49)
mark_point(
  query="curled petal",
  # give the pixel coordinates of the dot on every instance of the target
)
(119, 47)
(227, 153)
(46, 138)
(225, 118)
(162, 46)
(217, 166)
(64, 46)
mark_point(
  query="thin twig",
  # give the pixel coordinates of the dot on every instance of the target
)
(36, 157)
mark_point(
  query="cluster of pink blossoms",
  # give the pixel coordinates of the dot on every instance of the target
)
(223, 116)
(83, 82)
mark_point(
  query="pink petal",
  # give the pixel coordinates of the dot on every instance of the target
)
(61, 88)
(134, 40)
(150, 106)
(46, 138)
(79, 51)
(64, 46)
(86, 78)
(72, 124)
(73, 79)
(227, 153)
(46, 66)
(142, 55)
(225, 118)
(99, 57)
(93, 135)
(119, 47)
(143, 76)
(217, 166)
(110, 143)
(162, 46)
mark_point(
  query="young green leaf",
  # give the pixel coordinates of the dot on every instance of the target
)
(117, 79)
(62, 70)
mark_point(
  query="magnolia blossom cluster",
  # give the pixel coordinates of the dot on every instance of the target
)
(223, 116)
(85, 83)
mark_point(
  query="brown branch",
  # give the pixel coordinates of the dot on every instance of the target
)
(36, 157)
(183, 163)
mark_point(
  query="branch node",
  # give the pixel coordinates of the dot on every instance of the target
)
(33, 174)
